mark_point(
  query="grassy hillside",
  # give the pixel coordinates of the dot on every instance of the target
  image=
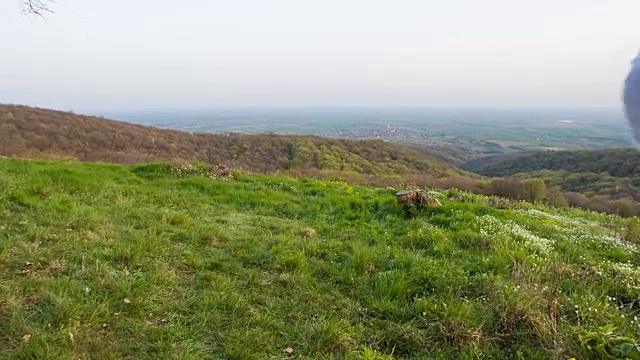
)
(42, 133)
(161, 261)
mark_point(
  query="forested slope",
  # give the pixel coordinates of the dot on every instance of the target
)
(32, 132)
(616, 162)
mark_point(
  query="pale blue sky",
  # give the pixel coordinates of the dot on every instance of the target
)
(115, 55)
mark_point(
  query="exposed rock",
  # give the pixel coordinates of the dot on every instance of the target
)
(223, 170)
(416, 198)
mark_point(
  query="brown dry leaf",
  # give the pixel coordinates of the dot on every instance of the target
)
(56, 265)
(127, 301)
(33, 298)
(289, 350)
(161, 321)
(28, 268)
(72, 338)
(88, 235)
(26, 338)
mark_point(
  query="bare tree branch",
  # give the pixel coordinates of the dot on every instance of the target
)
(36, 7)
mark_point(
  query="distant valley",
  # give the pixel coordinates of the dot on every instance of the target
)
(455, 135)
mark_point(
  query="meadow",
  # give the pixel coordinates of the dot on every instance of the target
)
(104, 261)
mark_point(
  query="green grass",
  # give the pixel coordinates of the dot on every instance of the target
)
(103, 261)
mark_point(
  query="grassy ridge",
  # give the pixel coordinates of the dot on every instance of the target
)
(153, 261)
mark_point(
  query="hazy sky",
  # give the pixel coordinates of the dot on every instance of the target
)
(96, 55)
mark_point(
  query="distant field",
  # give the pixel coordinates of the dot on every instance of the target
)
(458, 135)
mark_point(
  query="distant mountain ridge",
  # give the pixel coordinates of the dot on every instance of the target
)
(35, 132)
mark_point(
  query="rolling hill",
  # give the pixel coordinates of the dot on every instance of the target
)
(42, 133)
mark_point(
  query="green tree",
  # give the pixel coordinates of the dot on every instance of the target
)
(535, 190)
(631, 230)
(509, 188)
(623, 207)
(555, 197)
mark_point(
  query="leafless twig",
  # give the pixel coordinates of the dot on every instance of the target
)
(36, 7)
